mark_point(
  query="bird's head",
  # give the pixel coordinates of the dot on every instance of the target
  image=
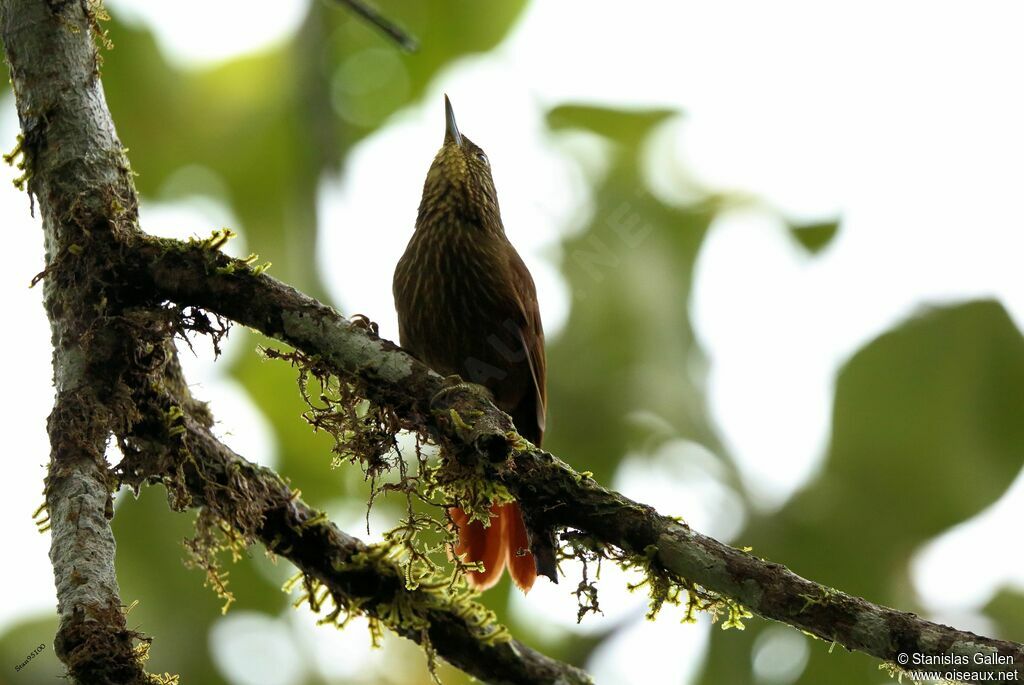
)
(459, 181)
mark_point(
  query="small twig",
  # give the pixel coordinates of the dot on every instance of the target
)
(389, 28)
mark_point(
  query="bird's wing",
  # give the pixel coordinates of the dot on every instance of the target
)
(531, 336)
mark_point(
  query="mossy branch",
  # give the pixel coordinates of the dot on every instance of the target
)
(105, 288)
(111, 357)
(335, 568)
(73, 164)
(553, 496)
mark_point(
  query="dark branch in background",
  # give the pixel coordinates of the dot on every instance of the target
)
(552, 494)
(385, 25)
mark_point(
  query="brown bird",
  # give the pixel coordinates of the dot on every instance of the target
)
(467, 305)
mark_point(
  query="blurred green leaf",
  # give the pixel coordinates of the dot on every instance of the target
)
(269, 124)
(927, 428)
(927, 421)
(262, 130)
(626, 127)
(1007, 610)
(814, 237)
(305, 456)
(930, 419)
(630, 274)
(151, 571)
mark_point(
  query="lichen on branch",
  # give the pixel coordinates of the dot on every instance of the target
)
(106, 286)
(553, 496)
(429, 478)
(339, 576)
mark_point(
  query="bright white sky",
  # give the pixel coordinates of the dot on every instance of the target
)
(872, 111)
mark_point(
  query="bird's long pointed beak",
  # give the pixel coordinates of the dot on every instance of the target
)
(451, 128)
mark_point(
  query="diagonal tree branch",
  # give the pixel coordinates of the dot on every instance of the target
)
(552, 494)
(109, 354)
(104, 289)
(259, 505)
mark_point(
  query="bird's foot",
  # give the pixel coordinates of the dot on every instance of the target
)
(465, 405)
(455, 384)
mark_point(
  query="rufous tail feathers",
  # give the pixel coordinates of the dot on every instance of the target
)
(502, 543)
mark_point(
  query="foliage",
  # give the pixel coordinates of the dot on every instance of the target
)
(927, 421)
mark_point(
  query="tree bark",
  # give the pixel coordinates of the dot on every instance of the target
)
(105, 288)
(79, 175)
(108, 355)
(553, 496)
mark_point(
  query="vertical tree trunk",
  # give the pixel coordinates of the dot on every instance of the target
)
(80, 180)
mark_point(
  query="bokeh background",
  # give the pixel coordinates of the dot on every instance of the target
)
(778, 250)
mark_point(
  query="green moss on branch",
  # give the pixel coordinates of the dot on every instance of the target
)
(553, 496)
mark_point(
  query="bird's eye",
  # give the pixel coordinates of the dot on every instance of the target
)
(482, 157)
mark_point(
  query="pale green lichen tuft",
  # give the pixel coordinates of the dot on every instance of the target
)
(141, 652)
(420, 549)
(365, 434)
(663, 586)
(827, 596)
(900, 675)
(97, 13)
(217, 240)
(41, 517)
(174, 421)
(410, 613)
(16, 159)
(213, 537)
